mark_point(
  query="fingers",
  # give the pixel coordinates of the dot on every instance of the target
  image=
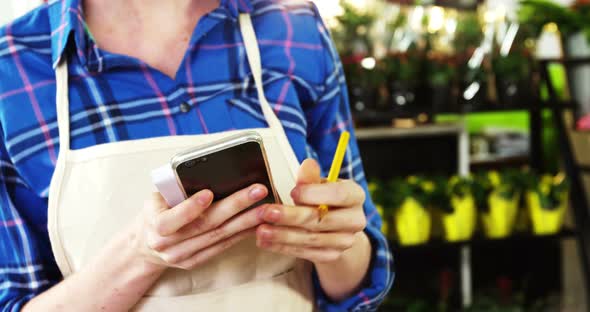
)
(189, 217)
(267, 235)
(309, 172)
(212, 251)
(315, 255)
(171, 220)
(213, 217)
(343, 193)
(232, 205)
(182, 251)
(339, 220)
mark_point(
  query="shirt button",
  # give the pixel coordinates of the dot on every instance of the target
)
(185, 107)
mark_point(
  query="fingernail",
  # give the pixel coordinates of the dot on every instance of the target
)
(273, 215)
(204, 197)
(256, 193)
(260, 212)
(265, 235)
(295, 193)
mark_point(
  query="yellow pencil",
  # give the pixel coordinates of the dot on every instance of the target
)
(335, 168)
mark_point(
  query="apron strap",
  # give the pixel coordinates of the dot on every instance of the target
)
(253, 55)
(63, 105)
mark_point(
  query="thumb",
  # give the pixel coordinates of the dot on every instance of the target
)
(309, 172)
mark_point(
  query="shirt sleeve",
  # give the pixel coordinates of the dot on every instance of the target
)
(26, 267)
(328, 118)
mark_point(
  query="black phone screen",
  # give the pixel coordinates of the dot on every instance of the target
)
(226, 172)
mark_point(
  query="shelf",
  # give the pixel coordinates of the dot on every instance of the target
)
(429, 130)
(498, 160)
(480, 240)
(567, 61)
(467, 5)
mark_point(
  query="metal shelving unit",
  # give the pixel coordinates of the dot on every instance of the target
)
(437, 130)
(535, 161)
(574, 170)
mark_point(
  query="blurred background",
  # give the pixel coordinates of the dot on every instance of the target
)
(473, 119)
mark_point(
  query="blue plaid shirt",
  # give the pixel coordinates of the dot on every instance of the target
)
(115, 97)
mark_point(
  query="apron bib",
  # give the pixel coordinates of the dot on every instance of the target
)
(97, 191)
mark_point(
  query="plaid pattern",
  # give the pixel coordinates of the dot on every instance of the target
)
(115, 97)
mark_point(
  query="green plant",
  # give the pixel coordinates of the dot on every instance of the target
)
(359, 76)
(444, 189)
(468, 34)
(379, 193)
(513, 67)
(484, 183)
(551, 190)
(488, 304)
(441, 70)
(353, 29)
(403, 66)
(415, 187)
(570, 20)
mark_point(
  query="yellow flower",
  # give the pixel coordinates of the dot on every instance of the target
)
(559, 178)
(372, 187)
(546, 180)
(428, 186)
(384, 224)
(495, 178)
(412, 179)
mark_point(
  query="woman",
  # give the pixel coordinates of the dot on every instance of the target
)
(94, 94)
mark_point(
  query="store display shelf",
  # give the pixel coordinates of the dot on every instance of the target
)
(566, 61)
(498, 160)
(467, 5)
(427, 130)
(480, 240)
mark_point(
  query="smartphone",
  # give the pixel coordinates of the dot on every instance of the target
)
(225, 167)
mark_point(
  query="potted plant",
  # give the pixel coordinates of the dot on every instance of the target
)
(453, 199)
(512, 73)
(574, 25)
(441, 72)
(354, 44)
(497, 201)
(403, 76)
(411, 219)
(363, 83)
(472, 81)
(547, 203)
(378, 194)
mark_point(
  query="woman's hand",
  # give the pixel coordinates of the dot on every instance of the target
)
(337, 245)
(183, 236)
(194, 231)
(297, 231)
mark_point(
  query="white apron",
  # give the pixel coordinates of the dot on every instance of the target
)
(97, 191)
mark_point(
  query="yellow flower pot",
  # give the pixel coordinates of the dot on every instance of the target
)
(412, 223)
(499, 221)
(546, 221)
(460, 224)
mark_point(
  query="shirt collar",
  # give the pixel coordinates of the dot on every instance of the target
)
(235, 7)
(67, 20)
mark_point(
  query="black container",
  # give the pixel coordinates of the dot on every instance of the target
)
(443, 99)
(361, 98)
(474, 101)
(512, 94)
(409, 99)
